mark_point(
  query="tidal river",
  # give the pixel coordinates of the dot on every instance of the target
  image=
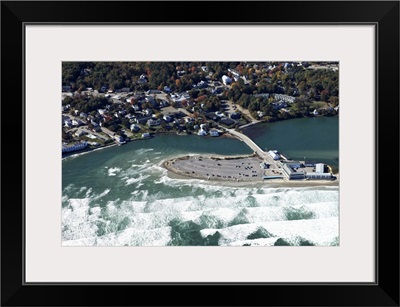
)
(122, 196)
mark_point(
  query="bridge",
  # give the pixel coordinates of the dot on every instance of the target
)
(261, 153)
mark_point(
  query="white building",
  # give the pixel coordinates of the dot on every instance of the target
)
(319, 168)
(214, 132)
(226, 80)
(202, 132)
(274, 154)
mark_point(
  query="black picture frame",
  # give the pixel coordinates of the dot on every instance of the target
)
(383, 14)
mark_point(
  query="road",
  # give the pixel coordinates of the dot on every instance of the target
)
(261, 153)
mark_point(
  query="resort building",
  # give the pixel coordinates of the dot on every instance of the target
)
(292, 172)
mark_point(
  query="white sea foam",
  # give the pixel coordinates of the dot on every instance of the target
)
(320, 232)
(134, 237)
(235, 212)
(77, 222)
(113, 171)
(139, 179)
(142, 151)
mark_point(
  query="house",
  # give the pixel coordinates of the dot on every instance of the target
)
(211, 116)
(226, 80)
(101, 111)
(76, 122)
(68, 123)
(79, 133)
(202, 132)
(202, 84)
(96, 128)
(142, 120)
(142, 79)
(135, 128)
(214, 132)
(153, 122)
(227, 121)
(95, 124)
(152, 101)
(234, 72)
(164, 103)
(203, 126)
(136, 107)
(168, 118)
(119, 139)
(235, 115)
(83, 115)
(167, 89)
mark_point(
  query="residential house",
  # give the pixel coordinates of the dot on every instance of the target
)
(79, 133)
(135, 128)
(214, 132)
(168, 118)
(120, 139)
(152, 101)
(227, 121)
(226, 80)
(68, 123)
(202, 132)
(153, 122)
(76, 122)
(235, 115)
(142, 120)
(142, 79)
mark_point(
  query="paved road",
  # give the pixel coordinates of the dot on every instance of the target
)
(261, 153)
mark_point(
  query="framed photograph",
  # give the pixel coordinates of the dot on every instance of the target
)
(207, 148)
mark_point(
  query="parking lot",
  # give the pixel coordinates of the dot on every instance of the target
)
(238, 169)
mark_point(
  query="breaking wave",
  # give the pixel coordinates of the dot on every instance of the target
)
(224, 216)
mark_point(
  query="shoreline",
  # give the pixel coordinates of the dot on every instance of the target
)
(266, 184)
(87, 150)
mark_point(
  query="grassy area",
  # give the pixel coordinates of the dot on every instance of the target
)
(318, 104)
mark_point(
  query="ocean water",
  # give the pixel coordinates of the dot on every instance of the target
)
(122, 196)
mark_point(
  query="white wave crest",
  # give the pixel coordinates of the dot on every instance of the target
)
(113, 171)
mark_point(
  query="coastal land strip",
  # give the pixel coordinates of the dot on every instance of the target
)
(241, 170)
